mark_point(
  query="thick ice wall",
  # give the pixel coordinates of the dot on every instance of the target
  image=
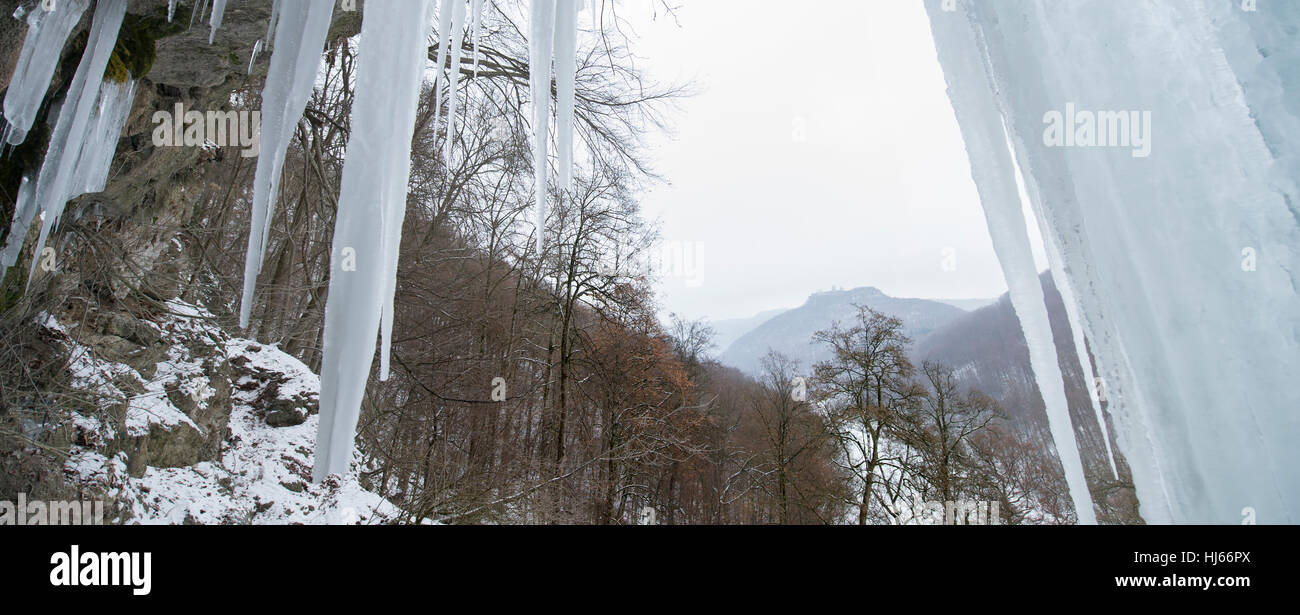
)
(1180, 260)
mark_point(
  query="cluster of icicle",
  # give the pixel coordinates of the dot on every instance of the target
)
(89, 120)
(1178, 270)
(391, 63)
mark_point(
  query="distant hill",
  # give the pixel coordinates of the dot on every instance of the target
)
(791, 331)
(728, 331)
(969, 305)
(987, 349)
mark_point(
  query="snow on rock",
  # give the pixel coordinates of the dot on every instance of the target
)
(262, 410)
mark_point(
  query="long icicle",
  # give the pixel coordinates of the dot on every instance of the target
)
(453, 78)
(445, 12)
(218, 12)
(566, 66)
(541, 42)
(981, 125)
(476, 27)
(271, 23)
(103, 132)
(47, 32)
(24, 211)
(363, 259)
(301, 29)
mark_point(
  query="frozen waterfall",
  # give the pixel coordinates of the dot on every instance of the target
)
(1150, 135)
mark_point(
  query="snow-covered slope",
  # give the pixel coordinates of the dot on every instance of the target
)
(218, 430)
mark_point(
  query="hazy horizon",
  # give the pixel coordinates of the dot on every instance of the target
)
(774, 192)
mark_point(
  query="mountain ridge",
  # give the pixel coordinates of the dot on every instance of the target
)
(791, 331)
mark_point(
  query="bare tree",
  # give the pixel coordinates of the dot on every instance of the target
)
(865, 388)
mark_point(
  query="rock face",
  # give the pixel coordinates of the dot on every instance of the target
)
(153, 189)
(274, 388)
(157, 389)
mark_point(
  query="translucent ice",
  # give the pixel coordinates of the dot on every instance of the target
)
(457, 39)
(58, 180)
(390, 62)
(566, 66)
(300, 39)
(47, 31)
(994, 173)
(541, 43)
(1182, 262)
(103, 132)
(218, 13)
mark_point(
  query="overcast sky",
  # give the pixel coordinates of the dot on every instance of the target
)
(820, 151)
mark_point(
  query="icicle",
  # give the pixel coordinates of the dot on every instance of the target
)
(566, 66)
(252, 60)
(270, 24)
(196, 14)
(390, 62)
(103, 133)
(475, 30)
(218, 12)
(171, 10)
(1207, 440)
(301, 31)
(445, 13)
(24, 212)
(541, 41)
(47, 32)
(457, 40)
(975, 105)
(57, 180)
(1086, 371)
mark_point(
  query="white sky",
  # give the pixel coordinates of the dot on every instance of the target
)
(874, 194)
